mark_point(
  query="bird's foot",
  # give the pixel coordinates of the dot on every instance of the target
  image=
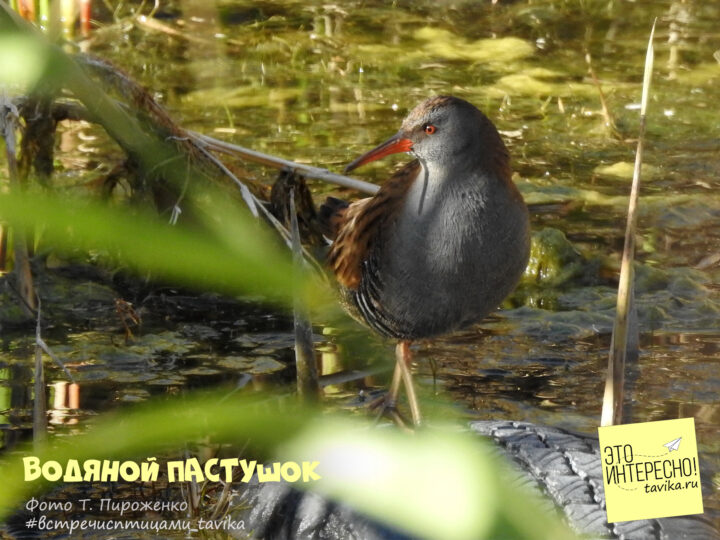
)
(386, 406)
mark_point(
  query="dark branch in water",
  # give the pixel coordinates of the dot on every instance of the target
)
(307, 375)
(39, 409)
(23, 272)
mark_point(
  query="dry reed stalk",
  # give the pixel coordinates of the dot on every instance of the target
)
(623, 331)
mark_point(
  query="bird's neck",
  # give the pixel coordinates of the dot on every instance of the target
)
(440, 183)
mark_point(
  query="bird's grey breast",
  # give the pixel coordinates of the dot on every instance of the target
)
(447, 253)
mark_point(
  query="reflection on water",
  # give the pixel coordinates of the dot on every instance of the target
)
(319, 83)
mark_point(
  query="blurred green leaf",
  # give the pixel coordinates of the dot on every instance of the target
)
(436, 483)
(153, 427)
(244, 259)
(22, 60)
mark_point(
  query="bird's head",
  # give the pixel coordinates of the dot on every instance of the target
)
(441, 129)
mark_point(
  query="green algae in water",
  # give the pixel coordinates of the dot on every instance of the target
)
(445, 44)
(553, 259)
(624, 170)
(554, 265)
(168, 342)
(254, 365)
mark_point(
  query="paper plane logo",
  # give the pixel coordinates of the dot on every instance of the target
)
(673, 445)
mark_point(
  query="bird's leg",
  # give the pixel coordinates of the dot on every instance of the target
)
(392, 396)
(403, 357)
(388, 402)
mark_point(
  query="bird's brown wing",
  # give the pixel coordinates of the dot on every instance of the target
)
(355, 228)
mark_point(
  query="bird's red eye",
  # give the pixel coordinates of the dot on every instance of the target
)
(429, 129)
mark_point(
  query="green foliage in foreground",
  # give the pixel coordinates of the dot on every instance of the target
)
(436, 483)
(234, 253)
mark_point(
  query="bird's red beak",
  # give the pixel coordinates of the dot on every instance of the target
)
(394, 145)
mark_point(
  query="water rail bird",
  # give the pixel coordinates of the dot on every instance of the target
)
(444, 240)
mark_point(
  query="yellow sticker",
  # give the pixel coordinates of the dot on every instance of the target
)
(650, 470)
